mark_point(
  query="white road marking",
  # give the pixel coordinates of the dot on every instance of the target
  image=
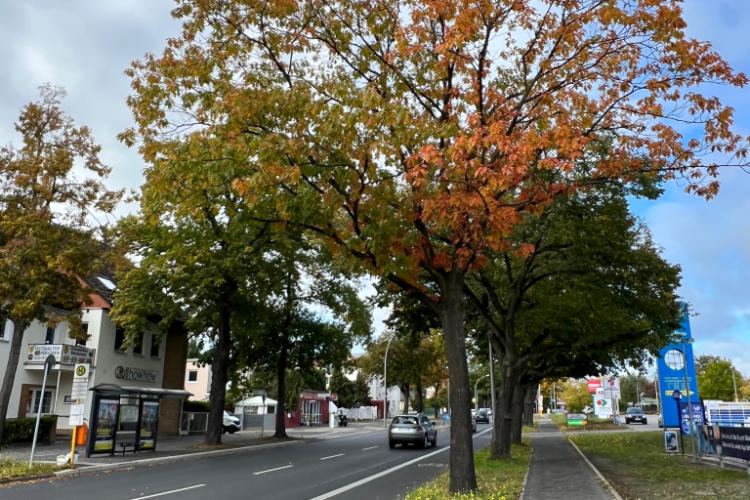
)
(333, 456)
(380, 474)
(369, 448)
(170, 492)
(271, 470)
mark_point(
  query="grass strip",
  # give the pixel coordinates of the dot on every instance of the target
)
(13, 469)
(496, 479)
(638, 467)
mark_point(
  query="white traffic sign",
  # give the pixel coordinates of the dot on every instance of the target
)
(80, 387)
(76, 414)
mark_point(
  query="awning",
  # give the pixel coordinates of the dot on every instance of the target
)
(116, 390)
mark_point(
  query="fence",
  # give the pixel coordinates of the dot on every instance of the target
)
(361, 413)
(256, 422)
(193, 423)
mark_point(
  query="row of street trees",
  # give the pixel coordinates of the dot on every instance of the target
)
(426, 143)
(413, 137)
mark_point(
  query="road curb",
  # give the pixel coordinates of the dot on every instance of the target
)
(609, 486)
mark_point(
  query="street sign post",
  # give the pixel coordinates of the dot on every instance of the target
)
(78, 393)
(49, 362)
(677, 395)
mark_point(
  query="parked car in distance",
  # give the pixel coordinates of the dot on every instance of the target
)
(414, 429)
(231, 423)
(635, 414)
(483, 416)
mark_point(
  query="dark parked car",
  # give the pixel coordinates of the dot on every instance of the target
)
(415, 429)
(635, 414)
(483, 416)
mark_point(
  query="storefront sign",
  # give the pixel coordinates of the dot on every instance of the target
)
(136, 374)
(593, 384)
(66, 354)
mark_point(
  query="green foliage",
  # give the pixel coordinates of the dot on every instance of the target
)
(19, 430)
(715, 380)
(496, 479)
(576, 395)
(196, 406)
(351, 393)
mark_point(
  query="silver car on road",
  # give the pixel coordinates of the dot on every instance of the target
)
(415, 429)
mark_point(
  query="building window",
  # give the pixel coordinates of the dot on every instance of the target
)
(36, 394)
(85, 328)
(49, 338)
(7, 331)
(155, 345)
(119, 338)
(138, 344)
(192, 375)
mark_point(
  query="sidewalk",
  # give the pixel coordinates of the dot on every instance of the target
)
(176, 447)
(557, 470)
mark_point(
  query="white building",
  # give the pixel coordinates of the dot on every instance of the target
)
(150, 363)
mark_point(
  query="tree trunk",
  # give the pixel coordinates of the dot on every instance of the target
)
(420, 398)
(219, 363)
(405, 389)
(528, 409)
(281, 404)
(19, 327)
(451, 310)
(517, 414)
(500, 445)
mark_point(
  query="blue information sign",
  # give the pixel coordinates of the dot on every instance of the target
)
(671, 365)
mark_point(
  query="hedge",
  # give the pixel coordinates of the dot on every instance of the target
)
(196, 406)
(19, 430)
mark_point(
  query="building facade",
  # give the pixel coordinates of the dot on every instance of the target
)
(151, 362)
(197, 380)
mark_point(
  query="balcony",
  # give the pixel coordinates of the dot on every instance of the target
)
(66, 355)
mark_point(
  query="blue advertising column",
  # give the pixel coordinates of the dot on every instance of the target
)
(671, 366)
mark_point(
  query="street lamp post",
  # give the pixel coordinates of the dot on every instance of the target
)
(691, 423)
(476, 399)
(734, 383)
(385, 383)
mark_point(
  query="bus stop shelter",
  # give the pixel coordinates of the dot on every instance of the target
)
(126, 418)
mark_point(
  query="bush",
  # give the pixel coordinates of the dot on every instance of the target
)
(197, 406)
(19, 430)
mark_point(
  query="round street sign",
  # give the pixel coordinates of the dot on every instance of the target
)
(677, 395)
(50, 361)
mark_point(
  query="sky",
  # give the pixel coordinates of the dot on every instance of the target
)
(84, 46)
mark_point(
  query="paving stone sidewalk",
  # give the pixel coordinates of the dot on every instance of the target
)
(558, 471)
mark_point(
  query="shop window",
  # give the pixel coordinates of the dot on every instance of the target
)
(119, 339)
(192, 375)
(7, 331)
(36, 395)
(85, 328)
(49, 338)
(138, 344)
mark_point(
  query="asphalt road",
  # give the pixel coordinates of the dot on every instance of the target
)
(354, 467)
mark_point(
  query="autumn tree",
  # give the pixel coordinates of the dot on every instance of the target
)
(412, 136)
(49, 186)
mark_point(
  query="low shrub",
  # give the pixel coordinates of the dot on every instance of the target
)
(19, 430)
